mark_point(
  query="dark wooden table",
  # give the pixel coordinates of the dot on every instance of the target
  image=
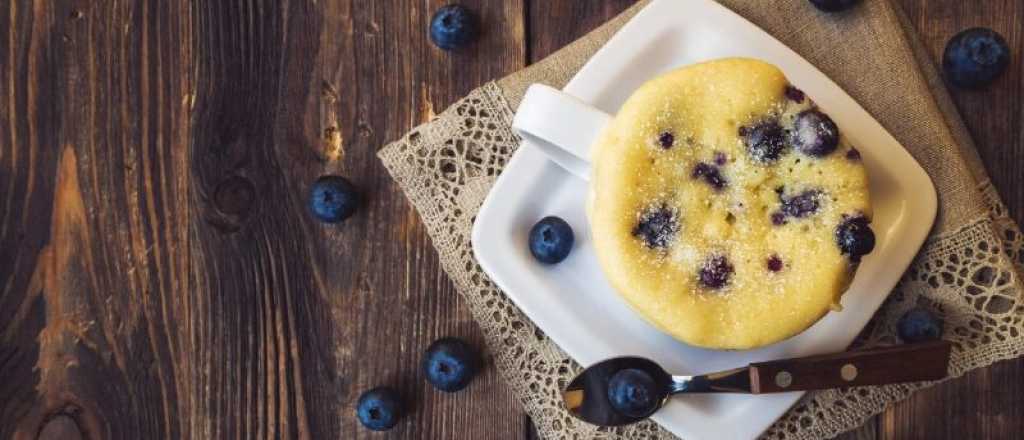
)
(160, 276)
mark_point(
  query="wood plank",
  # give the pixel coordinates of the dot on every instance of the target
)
(994, 114)
(987, 403)
(868, 431)
(94, 229)
(169, 280)
(399, 80)
(553, 24)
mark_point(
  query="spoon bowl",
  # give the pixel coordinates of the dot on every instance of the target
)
(587, 396)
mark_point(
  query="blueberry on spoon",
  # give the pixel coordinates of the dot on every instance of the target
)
(975, 57)
(634, 392)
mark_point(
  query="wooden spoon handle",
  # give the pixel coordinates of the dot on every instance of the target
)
(879, 366)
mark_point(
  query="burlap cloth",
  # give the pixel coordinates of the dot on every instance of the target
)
(968, 272)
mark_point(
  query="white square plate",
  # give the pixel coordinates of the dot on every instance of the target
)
(574, 304)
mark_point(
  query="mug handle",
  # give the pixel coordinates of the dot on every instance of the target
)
(561, 125)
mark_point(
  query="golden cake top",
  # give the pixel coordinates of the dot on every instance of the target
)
(721, 199)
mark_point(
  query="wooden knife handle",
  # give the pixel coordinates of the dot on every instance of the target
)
(900, 363)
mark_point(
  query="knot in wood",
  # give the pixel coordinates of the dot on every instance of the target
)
(60, 427)
(234, 196)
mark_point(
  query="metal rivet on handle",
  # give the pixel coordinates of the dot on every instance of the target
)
(783, 379)
(848, 372)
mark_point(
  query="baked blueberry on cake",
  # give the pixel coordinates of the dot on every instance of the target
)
(727, 208)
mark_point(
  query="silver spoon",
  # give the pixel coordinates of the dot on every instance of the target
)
(587, 396)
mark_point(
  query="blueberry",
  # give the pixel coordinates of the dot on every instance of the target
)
(710, 174)
(778, 218)
(794, 94)
(855, 237)
(715, 272)
(720, 158)
(774, 263)
(853, 154)
(666, 140)
(657, 227)
(975, 57)
(450, 364)
(379, 409)
(453, 27)
(814, 133)
(919, 325)
(633, 392)
(551, 240)
(834, 5)
(801, 205)
(333, 199)
(764, 141)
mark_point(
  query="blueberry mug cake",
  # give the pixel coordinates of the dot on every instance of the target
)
(726, 208)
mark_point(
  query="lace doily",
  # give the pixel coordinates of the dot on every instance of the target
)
(971, 277)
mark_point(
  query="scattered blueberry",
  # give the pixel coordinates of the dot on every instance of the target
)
(715, 272)
(814, 133)
(855, 237)
(450, 364)
(666, 140)
(453, 27)
(333, 199)
(975, 57)
(801, 205)
(551, 240)
(853, 154)
(657, 227)
(633, 392)
(710, 174)
(764, 141)
(834, 5)
(794, 94)
(919, 325)
(379, 409)
(774, 263)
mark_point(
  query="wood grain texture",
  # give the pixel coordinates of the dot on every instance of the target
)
(159, 275)
(554, 24)
(94, 231)
(986, 403)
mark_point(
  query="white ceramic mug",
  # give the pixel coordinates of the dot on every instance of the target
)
(561, 125)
